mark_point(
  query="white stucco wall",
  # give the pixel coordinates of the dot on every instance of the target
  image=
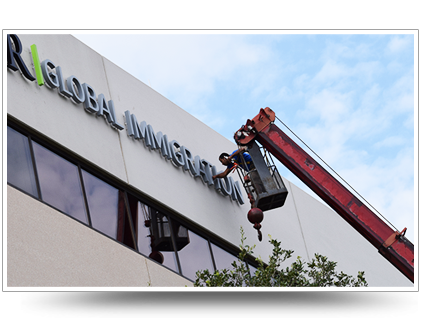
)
(48, 249)
(302, 224)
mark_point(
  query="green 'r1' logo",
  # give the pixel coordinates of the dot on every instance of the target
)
(37, 65)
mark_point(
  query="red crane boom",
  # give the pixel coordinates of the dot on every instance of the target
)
(391, 244)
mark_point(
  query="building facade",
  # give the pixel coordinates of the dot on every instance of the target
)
(110, 184)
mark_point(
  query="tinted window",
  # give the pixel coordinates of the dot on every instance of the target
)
(103, 201)
(60, 183)
(20, 170)
(194, 255)
(222, 258)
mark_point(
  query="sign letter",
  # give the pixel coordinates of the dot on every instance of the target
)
(91, 104)
(78, 93)
(14, 56)
(50, 78)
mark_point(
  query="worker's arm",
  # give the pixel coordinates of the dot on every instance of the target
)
(238, 151)
(222, 174)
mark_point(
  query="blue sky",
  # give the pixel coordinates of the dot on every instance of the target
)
(350, 97)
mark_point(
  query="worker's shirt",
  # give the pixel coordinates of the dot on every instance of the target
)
(246, 157)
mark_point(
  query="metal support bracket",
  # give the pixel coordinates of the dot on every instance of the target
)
(393, 238)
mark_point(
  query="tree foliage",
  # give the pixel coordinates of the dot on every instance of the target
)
(319, 272)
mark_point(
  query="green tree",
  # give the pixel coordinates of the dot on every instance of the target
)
(319, 272)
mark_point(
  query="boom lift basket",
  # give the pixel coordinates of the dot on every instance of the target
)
(263, 183)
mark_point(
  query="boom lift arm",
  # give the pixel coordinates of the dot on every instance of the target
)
(391, 244)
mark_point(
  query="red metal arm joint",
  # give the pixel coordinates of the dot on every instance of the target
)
(247, 132)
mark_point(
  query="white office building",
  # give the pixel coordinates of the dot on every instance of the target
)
(108, 184)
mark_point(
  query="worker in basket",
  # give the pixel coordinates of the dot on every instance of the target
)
(233, 160)
(243, 159)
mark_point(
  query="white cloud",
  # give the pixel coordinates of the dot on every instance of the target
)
(367, 70)
(391, 141)
(334, 50)
(331, 106)
(399, 43)
(331, 71)
(401, 93)
(301, 81)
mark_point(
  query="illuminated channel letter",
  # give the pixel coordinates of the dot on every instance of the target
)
(237, 192)
(188, 160)
(158, 141)
(217, 185)
(140, 131)
(207, 170)
(62, 87)
(226, 186)
(129, 126)
(75, 87)
(113, 112)
(203, 169)
(176, 155)
(90, 104)
(14, 57)
(103, 109)
(50, 77)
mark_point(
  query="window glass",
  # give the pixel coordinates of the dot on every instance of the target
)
(222, 258)
(153, 235)
(193, 250)
(60, 183)
(103, 201)
(20, 170)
